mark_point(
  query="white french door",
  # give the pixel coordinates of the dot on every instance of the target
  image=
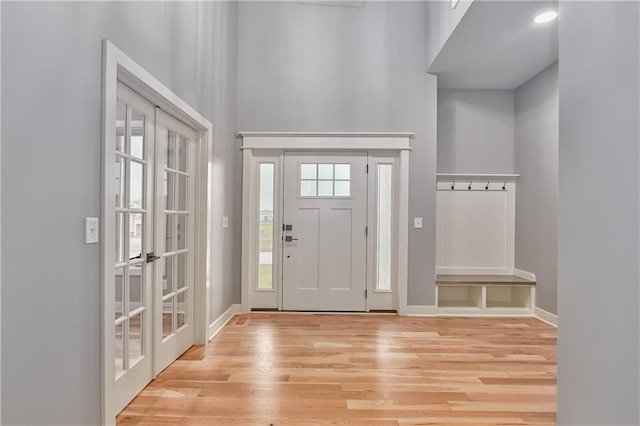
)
(134, 218)
(174, 225)
(154, 226)
(324, 233)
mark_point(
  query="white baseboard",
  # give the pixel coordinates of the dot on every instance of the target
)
(421, 311)
(223, 319)
(524, 275)
(545, 316)
(473, 271)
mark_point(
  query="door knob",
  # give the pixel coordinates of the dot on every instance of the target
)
(151, 257)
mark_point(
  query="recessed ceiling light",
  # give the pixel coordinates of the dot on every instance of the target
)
(545, 17)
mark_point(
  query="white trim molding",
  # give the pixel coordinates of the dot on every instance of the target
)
(480, 177)
(420, 311)
(326, 141)
(222, 320)
(545, 316)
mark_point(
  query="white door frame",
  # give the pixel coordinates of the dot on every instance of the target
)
(270, 147)
(117, 66)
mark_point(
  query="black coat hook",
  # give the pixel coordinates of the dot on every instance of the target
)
(453, 186)
(504, 187)
(487, 187)
(470, 185)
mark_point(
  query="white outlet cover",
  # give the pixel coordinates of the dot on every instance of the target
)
(225, 222)
(417, 222)
(91, 230)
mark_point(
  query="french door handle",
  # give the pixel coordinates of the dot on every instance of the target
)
(151, 257)
(289, 238)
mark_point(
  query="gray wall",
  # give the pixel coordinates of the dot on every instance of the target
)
(475, 131)
(327, 68)
(441, 22)
(51, 104)
(536, 160)
(598, 228)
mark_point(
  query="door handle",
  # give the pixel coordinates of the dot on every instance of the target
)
(151, 257)
(289, 238)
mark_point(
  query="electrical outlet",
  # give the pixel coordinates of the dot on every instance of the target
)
(91, 231)
(225, 222)
(417, 222)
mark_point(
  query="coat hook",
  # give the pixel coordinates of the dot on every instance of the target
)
(453, 185)
(504, 187)
(487, 187)
(470, 185)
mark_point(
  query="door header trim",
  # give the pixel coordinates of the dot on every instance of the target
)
(327, 141)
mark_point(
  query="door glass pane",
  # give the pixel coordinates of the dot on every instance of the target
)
(343, 188)
(119, 361)
(325, 171)
(169, 190)
(182, 231)
(135, 287)
(182, 271)
(121, 117)
(120, 237)
(168, 231)
(265, 263)
(183, 154)
(135, 235)
(167, 276)
(183, 192)
(308, 171)
(167, 317)
(343, 171)
(119, 292)
(135, 338)
(325, 188)
(385, 203)
(171, 149)
(181, 310)
(137, 183)
(121, 182)
(137, 134)
(308, 188)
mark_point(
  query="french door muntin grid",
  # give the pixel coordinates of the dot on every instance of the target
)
(131, 215)
(176, 218)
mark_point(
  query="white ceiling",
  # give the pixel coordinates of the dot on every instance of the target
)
(497, 46)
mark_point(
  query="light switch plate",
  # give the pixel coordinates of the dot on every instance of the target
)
(91, 230)
(225, 222)
(417, 222)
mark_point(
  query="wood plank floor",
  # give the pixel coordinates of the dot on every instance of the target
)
(297, 369)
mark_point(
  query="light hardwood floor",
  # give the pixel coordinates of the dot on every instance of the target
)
(297, 369)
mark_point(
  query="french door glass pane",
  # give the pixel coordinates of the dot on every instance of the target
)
(168, 231)
(119, 361)
(308, 171)
(120, 237)
(121, 181)
(121, 117)
(325, 188)
(182, 271)
(136, 324)
(181, 310)
(343, 171)
(167, 277)
(136, 226)
(167, 317)
(136, 195)
(182, 231)
(136, 279)
(183, 154)
(183, 193)
(119, 292)
(308, 188)
(325, 171)
(137, 134)
(343, 188)
(169, 190)
(171, 149)
(383, 264)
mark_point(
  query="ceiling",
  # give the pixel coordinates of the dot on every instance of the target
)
(497, 46)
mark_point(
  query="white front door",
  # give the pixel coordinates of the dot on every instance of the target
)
(175, 203)
(324, 238)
